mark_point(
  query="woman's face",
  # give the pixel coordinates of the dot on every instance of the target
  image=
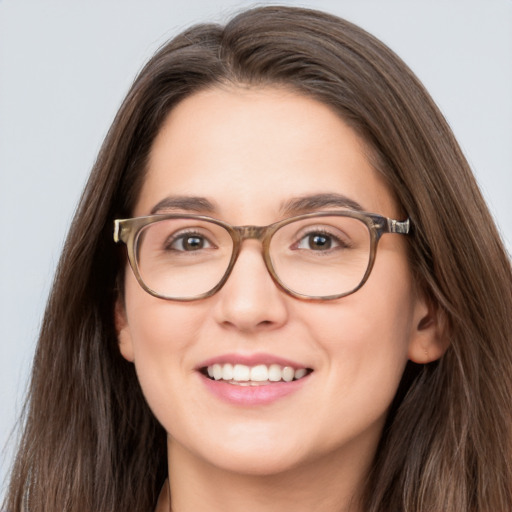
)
(248, 152)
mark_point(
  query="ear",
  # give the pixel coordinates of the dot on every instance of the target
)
(429, 336)
(124, 338)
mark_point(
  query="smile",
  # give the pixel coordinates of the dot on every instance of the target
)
(261, 374)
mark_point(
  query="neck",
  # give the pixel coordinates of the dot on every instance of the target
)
(326, 485)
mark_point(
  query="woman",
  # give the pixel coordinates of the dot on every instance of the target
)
(333, 373)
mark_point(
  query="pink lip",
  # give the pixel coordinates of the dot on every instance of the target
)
(250, 396)
(250, 360)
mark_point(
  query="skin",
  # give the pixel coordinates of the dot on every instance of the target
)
(248, 150)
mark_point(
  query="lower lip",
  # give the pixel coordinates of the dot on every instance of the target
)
(250, 396)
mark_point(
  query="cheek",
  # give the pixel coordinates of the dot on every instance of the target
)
(365, 338)
(160, 334)
(156, 326)
(381, 325)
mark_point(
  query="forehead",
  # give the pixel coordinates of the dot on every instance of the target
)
(249, 150)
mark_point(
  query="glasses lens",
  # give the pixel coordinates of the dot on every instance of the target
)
(182, 258)
(321, 256)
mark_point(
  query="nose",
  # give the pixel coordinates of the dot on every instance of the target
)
(250, 301)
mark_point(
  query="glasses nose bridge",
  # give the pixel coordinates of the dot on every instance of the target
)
(262, 235)
(251, 233)
(259, 233)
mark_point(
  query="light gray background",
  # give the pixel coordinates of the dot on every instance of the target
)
(66, 65)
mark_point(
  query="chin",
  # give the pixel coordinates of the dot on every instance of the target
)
(254, 455)
(258, 464)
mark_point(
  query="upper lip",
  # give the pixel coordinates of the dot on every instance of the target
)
(251, 360)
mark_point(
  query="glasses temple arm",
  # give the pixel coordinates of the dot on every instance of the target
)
(398, 226)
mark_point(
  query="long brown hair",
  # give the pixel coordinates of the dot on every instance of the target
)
(90, 442)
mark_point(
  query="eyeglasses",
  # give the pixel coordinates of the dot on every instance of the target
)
(316, 256)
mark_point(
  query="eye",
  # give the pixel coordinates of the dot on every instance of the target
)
(188, 242)
(320, 241)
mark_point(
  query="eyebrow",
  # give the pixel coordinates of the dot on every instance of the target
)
(316, 202)
(180, 203)
(294, 206)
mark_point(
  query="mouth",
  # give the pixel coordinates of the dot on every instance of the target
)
(258, 375)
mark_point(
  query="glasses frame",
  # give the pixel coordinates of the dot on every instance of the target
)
(128, 230)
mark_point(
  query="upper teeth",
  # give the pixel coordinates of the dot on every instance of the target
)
(258, 373)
